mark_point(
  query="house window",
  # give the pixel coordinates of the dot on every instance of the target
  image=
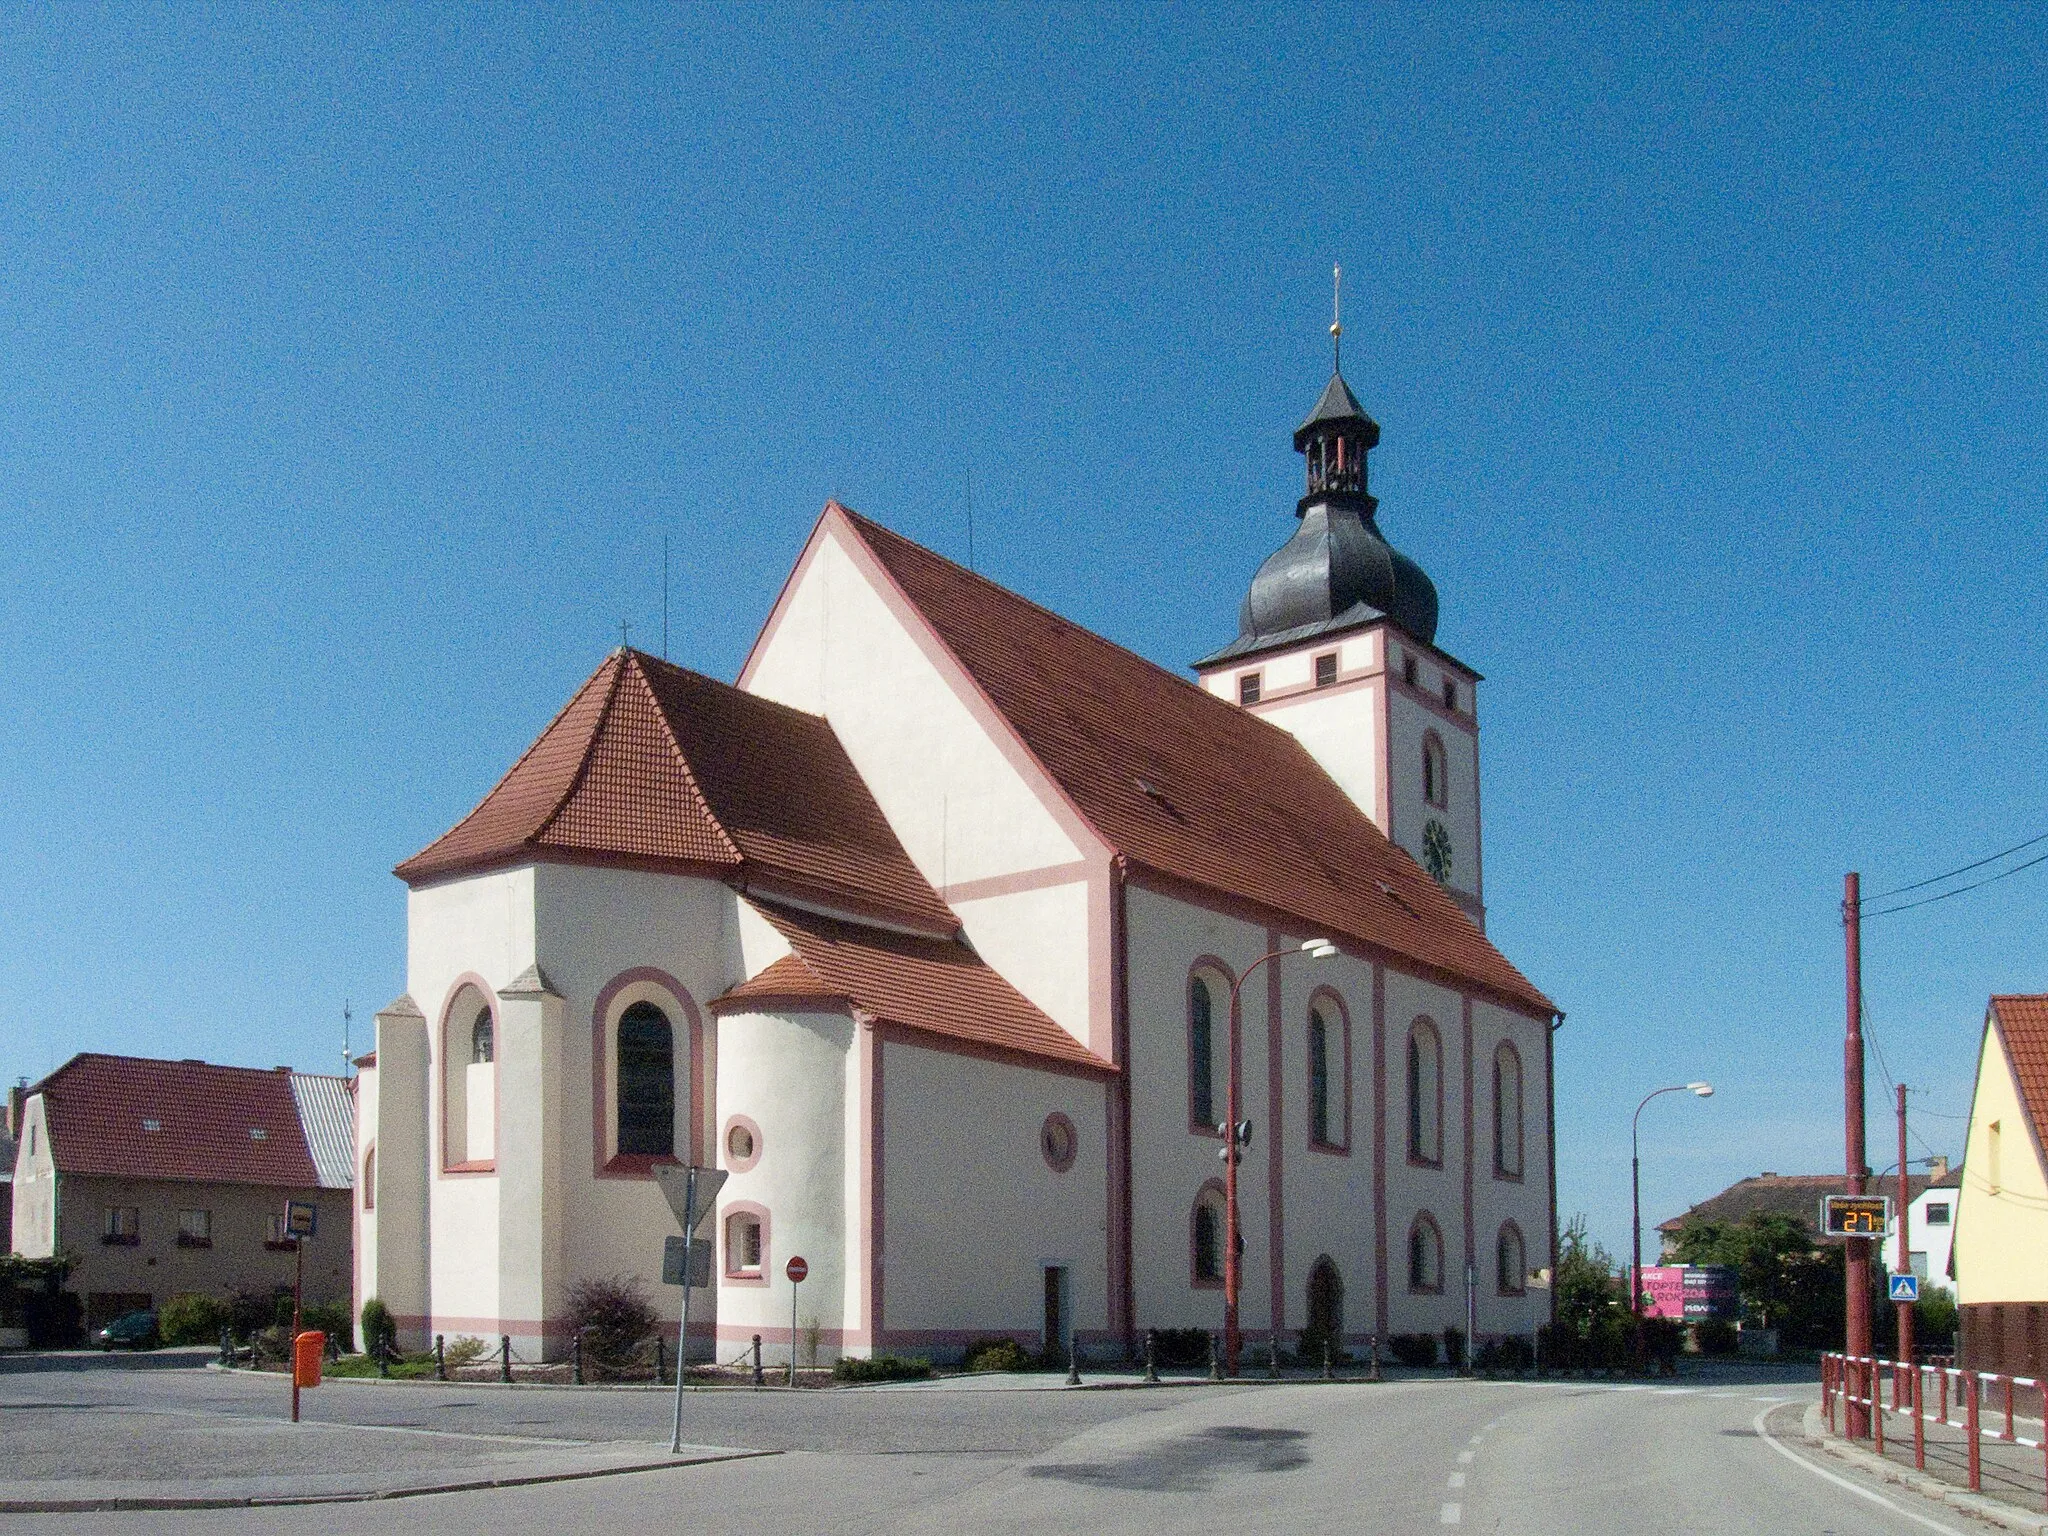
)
(1206, 1236)
(1201, 1054)
(195, 1229)
(1326, 669)
(743, 1243)
(1507, 1112)
(1510, 1261)
(121, 1225)
(370, 1178)
(1425, 1095)
(1435, 777)
(1248, 688)
(1450, 694)
(1937, 1214)
(1409, 671)
(1425, 1256)
(1318, 1077)
(739, 1144)
(279, 1238)
(647, 1083)
(481, 1042)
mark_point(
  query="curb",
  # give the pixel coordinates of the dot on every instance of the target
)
(366, 1496)
(1994, 1511)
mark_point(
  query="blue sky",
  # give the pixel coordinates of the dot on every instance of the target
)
(354, 364)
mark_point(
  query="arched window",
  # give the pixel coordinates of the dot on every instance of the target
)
(1201, 1054)
(469, 1081)
(1318, 1077)
(1425, 1095)
(647, 1082)
(1425, 1255)
(1507, 1112)
(1435, 779)
(1325, 1324)
(1205, 1248)
(744, 1247)
(1511, 1261)
(481, 1041)
(370, 1178)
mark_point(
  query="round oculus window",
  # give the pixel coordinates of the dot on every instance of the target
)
(1057, 1140)
(739, 1143)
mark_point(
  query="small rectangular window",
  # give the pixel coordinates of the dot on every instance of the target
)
(195, 1229)
(121, 1225)
(1450, 694)
(1937, 1215)
(1248, 688)
(1326, 670)
(1409, 671)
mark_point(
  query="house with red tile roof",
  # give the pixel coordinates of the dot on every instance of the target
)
(952, 932)
(2001, 1223)
(159, 1178)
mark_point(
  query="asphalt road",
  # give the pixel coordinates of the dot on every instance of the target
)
(1719, 1456)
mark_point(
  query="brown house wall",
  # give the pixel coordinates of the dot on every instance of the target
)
(157, 1267)
(2010, 1338)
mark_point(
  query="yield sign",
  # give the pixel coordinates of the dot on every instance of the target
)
(675, 1181)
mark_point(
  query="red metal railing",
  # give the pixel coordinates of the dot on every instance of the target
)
(1862, 1380)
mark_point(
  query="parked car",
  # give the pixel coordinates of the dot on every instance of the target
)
(132, 1330)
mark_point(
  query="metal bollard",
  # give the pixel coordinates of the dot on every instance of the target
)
(440, 1359)
(1273, 1356)
(1152, 1356)
(1876, 1408)
(1215, 1364)
(227, 1348)
(1073, 1364)
(1919, 1423)
(660, 1361)
(576, 1357)
(383, 1347)
(759, 1379)
(1970, 1394)
(2009, 1436)
(1329, 1365)
(1372, 1349)
(505, 1357)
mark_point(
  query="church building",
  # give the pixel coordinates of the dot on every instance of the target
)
(946, 931)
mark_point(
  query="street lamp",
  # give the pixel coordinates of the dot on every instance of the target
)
(1236, 1136)
(1635, 1175)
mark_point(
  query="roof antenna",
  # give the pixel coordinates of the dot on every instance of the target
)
(664, 597)
(1337, 319)
(345, 1017)
(970, 516)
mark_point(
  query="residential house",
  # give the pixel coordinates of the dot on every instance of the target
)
(2001, 1226)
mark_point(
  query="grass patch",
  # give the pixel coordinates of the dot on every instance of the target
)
(411, 1368)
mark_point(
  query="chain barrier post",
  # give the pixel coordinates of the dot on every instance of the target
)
(576, 1357)
(1329, 1365)
(1215, 1365)
(1919, 1423)
(505, 1358)
(440, 1357)
(1972, 1390)
(1152, 1356)
(2009, 1437)
(1372, 1349)
(1273, 1356)
(1073, 1362)
(660, 1359)
(759, 1379)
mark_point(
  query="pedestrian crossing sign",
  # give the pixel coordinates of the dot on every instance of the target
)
(1905, 1287)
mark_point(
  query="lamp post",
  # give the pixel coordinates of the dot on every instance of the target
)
(1236, 1136)
(1635, 1176)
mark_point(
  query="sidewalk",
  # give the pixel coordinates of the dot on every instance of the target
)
(2012, 1476)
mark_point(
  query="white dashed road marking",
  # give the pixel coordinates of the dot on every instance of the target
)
(1452, 1514)
(1457, 1479)
(1464, 1458)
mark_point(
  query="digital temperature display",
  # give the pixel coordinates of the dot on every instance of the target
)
(1855, 1215)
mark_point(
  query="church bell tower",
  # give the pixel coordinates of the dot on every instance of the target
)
(1337, 645)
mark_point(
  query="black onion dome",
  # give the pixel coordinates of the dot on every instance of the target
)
(1338, 571)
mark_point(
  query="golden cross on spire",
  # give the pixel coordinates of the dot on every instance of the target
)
(1337, 319)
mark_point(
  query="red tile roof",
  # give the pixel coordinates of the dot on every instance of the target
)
(100, 1110)
(1187, 785)
(2022, 1022)
(1786, 1194)
(932, 986)
(660, 765)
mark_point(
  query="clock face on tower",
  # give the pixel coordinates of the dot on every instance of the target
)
(1436, 851)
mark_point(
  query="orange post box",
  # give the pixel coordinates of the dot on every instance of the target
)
(308, 1349)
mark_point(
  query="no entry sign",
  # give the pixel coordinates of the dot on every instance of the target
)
(797, 1270)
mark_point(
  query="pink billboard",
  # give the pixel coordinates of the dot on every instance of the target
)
(1689, 1292)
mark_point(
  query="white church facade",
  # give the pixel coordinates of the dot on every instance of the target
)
(930, 930)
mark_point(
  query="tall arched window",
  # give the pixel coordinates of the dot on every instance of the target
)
(1510, 1261)
(1205, 1237)
(469, 1081)
(1425, 1094)
(1201, 1054)
(482, 1042)
(370, 1178)
(1507, 1111)
(647, 1082)
(1435, 779)
(1425, 1255)
(1319, 1077)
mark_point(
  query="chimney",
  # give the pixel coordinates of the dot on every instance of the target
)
(1937, 1169)
(17, 1098)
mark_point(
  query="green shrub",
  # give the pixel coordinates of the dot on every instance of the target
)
(881, 1368)
(330, 1318)
(1509, 1355)
(192, 1319)
(462, 1350)
(251, 1311)
(380, 1329)
(1454, 1346)
(996, 1355)
(1413, 1348)
(1182, 1346)
(614, 1315)
(1717, 1336)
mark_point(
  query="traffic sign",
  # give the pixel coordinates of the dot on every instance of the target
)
(796, 1270)
(1905, 1287)
(301, 1218)
(672, 1262)
(675, 1179)
(1855, 1215)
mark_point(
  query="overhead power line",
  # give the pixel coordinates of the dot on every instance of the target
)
(1962, 890)
(1964, 869)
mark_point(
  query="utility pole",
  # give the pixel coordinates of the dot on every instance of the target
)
(1905, 1344)
(1857, 1270)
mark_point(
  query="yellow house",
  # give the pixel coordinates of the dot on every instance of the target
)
(2001, 1241)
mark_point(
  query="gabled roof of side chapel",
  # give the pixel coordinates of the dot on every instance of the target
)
(654, 766)
(2021, 1022)
(1185, 784)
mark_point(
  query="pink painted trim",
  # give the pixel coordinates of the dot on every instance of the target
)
(732, 1274)
(1478, 825)
(1471, 1230)
(1500, 1170)
(1424, 1221)
(1435, 705)
(877, 1165)
(1422, 1159)
(369, 1176)
(1434, 743)
(1345, 683)
(734, 1163)
(1195, 1277)
(744, 1333)
(778, 1002)
(1058, 1124)
(468, 980)
(640, 1165)
(1330, 995)
(773, 623)
(1104, 892)
(1384, 790)
(1232, 1039)
(1049, 877)
(1028, 1061)
(1381, 1300)
(490, 1327)
(1123, 1309)
(1521, 1288)
(1276, 1142)
(1256, 676)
